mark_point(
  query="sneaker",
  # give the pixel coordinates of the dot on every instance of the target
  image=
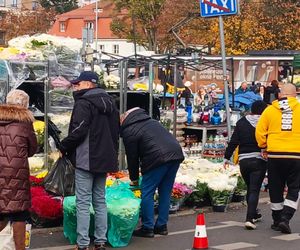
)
(250, 225)
(257, 217)
(162, 230)
(284, 227)
(100, 246)
(143, 232)
(81, 248)
(275, 227)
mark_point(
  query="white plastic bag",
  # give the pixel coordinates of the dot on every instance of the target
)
(6, 238)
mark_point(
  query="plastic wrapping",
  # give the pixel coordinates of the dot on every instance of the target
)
(70, 222)
(61, 178)
(123, 213)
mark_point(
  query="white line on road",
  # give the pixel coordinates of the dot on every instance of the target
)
(287, 237)
(233, 246)
(68, 247)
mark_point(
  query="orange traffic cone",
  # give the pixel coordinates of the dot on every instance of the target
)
(200, 238)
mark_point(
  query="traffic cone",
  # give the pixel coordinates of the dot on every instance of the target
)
(200, 238)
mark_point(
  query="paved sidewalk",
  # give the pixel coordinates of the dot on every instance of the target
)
(184, 212)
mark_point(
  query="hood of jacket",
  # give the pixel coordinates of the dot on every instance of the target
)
(135, 116)
(98, 97)
(253, 119)
(286, 105)
(14, 113)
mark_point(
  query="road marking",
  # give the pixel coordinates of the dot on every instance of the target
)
(287, 237)
(233, 246)
(227, 224)
(68, 247)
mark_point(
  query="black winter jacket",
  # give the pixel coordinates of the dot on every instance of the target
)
(92, 142)
(244, 137)
(147, 143)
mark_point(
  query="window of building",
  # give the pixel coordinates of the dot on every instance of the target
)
(89, 25)
(35, 5)
(2, 37)
(62, 27)
(99, 10)
(116, 49)
(14, 3)
(2, 3)
(101, 47)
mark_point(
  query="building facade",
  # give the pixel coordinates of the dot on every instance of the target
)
(72, 24)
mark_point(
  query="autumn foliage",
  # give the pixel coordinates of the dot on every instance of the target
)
(26, 22)
(261, 25)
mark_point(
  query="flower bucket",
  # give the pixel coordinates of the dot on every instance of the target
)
(238, 198)
(219, 208)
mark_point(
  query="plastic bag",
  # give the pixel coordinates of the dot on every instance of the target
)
(123, 214)
(61, 178)
(70, 222)
(6, 238)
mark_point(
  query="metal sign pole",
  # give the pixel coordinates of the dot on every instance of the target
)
(151, 89)
(122, 110)
(125, 74)
(222, 39)
(175, 100)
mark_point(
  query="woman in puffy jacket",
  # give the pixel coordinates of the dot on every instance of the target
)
(17, 143)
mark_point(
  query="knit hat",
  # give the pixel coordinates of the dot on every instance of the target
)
(18, 97)
(258, 107)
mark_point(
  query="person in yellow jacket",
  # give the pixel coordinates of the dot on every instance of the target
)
(278, 130)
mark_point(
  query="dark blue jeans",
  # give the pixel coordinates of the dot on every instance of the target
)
(161, 178)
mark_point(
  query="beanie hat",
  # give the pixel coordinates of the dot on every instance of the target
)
(258, 107)
(18, 97)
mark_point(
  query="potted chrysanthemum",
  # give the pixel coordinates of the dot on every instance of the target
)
(220, 190)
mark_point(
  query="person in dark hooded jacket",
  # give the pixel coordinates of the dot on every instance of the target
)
(252, 164)
(153, 150)
(92, 146)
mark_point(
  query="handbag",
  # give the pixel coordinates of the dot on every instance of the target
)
(6, 238)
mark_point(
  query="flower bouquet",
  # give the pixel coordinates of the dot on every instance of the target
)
(179, 193)
(39, 128)
(220, 190)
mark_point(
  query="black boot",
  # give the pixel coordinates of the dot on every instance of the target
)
(162, 230)
(144, 232)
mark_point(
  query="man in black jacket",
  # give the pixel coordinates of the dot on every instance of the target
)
(151, 148)
(252, 163)
(92, 146)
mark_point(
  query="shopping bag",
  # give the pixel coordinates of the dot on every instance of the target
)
(61, 178)
(6, 238)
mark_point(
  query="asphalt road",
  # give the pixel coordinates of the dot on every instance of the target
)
(225, 231)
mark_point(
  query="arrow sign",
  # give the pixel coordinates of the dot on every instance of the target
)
(214, 8)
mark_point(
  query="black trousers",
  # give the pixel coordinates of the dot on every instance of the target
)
(253, 171)
(283, 172)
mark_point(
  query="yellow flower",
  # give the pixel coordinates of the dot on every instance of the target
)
(137, 193)
(39, 126)
(109, 182)
(42, 174)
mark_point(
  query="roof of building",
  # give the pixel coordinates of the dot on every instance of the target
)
(75, 20)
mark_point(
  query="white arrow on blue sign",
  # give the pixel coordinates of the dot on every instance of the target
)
(213, 8)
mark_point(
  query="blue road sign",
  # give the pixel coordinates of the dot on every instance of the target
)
(214, 8)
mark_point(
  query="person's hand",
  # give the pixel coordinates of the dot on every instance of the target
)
(226, 164)
(264, 154)
(60, 154)
(134, 183)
